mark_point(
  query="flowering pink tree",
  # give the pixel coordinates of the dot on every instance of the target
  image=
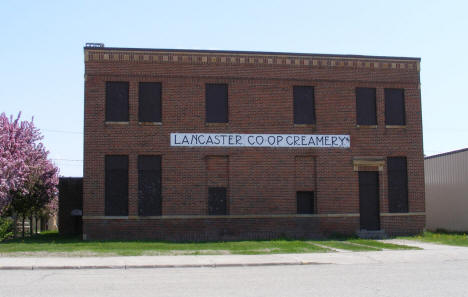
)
(26, 175)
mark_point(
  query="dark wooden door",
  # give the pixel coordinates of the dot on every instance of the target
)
(369, 200)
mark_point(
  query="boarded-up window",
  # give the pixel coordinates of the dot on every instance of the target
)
(116, 101)
(397, 184)
(304, 105)
(149, 185)
(216, 103)
(394, 107)
(365, 106)
(116, 186)
(217, 201)
(149, 102)
(305, 202)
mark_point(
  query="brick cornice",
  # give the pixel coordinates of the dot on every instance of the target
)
(247, 58)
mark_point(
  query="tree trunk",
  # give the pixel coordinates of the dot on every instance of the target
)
(35, 219)
(15, 224)
(31, 229)
(23, 227)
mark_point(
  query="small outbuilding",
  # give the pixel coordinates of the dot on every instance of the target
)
(446, 178)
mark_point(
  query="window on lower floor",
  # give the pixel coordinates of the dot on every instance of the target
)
(397, 184)
(149, 186)
(305, 202)
(116, 185)
(217, 201)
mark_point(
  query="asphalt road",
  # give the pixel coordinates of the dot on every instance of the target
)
(431, 278)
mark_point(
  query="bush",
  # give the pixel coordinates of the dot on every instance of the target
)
(6, 228)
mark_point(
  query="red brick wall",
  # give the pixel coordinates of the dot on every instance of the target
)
(260, 181)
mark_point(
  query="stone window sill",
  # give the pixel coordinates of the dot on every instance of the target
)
(395, 126)
(149, 123)
(366, 126)
(116, 123)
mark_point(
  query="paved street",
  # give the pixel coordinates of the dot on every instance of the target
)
(414, 279)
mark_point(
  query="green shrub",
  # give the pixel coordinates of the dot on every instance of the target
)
(6, 228)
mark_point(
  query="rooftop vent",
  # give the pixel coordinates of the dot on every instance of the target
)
(94, 44)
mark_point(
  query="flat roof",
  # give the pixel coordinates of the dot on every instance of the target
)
(248, 53)
(447, 153)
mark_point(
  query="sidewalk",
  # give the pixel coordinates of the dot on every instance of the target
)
(442, 253)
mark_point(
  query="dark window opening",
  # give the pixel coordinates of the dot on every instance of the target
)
(149, 102)
(394, 107)
(304, 105)
(217, 201)
(397, 184)
(216, 103)
(149, 186)
(305, 202)
(365, 106)
(116, 101)
(116, 185)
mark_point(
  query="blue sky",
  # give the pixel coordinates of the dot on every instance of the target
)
(42, 43)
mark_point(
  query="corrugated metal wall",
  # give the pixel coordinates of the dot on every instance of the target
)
(446, 178)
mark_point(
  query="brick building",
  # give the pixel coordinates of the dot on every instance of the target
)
(210, 145)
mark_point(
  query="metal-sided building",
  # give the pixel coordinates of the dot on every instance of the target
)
(224, 145)
(446, 177)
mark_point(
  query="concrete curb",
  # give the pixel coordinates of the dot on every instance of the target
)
(153, 266)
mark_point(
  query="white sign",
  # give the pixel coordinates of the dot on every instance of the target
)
(260, 140)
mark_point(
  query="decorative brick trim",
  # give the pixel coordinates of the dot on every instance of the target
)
(140, 56)
(183, 217)
(402, 214)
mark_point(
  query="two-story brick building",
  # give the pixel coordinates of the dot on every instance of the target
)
(209, 145)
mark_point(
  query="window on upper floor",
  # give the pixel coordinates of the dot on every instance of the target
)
(394, 107)
(365, 106)
(304, 105)
(149, 102)
(116, 101)
(216, 103)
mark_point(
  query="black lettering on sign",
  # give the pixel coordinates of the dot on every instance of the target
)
(289, 140)
(250, 140)
(311, 141)
(296, 140)
(333, 140)
(193, 139)
(259, 142)
(271, 140)
(238, 139)
(279, 139)
(209, 140)
(175, 139)
(319, 140)
(200, 140)
(185, 140)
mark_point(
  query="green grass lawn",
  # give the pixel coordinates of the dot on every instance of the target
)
(53, 244)
(443, 237)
